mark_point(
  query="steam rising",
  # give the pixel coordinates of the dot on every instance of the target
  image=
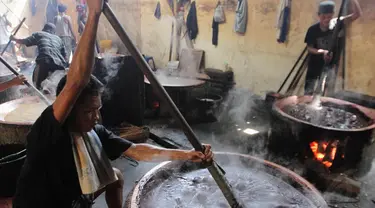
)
(108, 71)
(49, 85)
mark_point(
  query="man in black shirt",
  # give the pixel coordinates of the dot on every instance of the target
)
(50, 177)
(51, 52)
(318, 39)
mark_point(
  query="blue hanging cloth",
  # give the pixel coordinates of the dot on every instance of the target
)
(157, 13)
(283, 21)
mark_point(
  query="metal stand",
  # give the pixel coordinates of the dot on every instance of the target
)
(213, 168)
(295, 80)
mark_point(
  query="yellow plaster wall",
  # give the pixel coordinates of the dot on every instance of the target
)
(259, 62)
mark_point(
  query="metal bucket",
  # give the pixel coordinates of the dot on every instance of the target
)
(158, 175)
(10, 168)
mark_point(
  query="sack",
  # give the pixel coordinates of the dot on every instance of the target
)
(219, 15)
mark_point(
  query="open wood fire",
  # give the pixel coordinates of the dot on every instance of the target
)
(329, 154)
(324, 152)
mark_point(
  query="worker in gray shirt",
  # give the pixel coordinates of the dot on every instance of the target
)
(64, 30)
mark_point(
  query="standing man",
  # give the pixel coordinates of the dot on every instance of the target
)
(64, 30)
(318, 39)
(82, 18)
(51, 174)
(51, 52)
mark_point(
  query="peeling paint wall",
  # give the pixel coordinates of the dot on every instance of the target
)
(259, 62)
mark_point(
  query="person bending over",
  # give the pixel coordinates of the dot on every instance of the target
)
(49, 176)
(51, 52)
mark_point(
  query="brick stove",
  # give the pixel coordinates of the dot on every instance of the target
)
(326, 153)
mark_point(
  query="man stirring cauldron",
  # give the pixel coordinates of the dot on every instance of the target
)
(55, 170)
(51, 52)
(318, 39)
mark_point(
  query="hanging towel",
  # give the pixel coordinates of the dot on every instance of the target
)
(283, 21)
(192, 22)
(241, 17)
(157, 13)
(215, 32)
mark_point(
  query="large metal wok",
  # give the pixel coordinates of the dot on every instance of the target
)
(155, 177)
(279, 105)
(14, 132)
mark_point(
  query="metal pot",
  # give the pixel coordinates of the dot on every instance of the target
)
(279, 105)
(14, 132)
(10, 168)
(151, 180)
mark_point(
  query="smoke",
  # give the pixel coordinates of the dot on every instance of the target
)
(49, 85)
(108, 71)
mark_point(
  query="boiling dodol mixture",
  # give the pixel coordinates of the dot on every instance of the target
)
(198, 189)
(25, 112)
(327, 116)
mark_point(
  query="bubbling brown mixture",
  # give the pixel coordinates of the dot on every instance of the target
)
(198, 189)
(25, 112)
(329, 116)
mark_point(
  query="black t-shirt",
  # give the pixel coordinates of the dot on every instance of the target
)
(49, 177)
(319, 39)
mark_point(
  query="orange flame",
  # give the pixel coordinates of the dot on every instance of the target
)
(324, 152)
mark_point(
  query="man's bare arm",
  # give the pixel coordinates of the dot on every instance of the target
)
(315, 51)
(82, 64)
(151, 153)
(356, 12)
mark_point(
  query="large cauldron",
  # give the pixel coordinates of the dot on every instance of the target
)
(293, 136)
(151, 180)
(279, 105)
(12, 141)
(123, 97)
(14, 132)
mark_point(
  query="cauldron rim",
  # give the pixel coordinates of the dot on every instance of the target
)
(134, 200)
(17, 101)
(279, 104)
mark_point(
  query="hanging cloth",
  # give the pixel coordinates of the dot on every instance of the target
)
(241, 17)
(283, 21)
(157, 13)
(215, 32)
(219, 15)
(192, 22)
